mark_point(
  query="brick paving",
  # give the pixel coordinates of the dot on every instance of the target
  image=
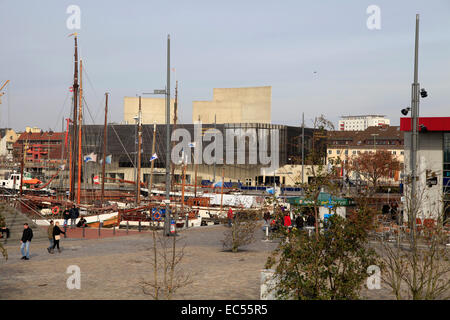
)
(113, 266)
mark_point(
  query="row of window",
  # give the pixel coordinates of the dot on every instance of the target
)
(359, 152)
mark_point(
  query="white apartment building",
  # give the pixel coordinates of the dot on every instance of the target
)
(361, 123)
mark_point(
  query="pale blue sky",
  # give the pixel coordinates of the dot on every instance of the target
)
(225, 44)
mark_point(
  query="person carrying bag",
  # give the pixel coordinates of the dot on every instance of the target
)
(56, 237)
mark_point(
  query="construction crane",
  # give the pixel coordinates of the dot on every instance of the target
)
(2, 93)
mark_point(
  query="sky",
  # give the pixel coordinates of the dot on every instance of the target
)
(319, 56)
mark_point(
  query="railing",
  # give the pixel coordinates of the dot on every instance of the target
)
(16, 200)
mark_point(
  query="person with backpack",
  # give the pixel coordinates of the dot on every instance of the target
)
(26, 241)
(56, 237)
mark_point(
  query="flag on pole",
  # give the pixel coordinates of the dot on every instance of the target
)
(154, 157)
(107, 160)
(90, 157)
(191, 145)
(96, 180)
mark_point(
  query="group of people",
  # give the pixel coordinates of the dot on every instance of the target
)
(71, 213)
(53, 231)
(299, 222)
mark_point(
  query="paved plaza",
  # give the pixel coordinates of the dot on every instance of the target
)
(113, 266)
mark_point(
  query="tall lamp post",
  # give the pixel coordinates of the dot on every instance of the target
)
(416, 93)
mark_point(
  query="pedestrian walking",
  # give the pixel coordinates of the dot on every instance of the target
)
(50, 235)
(27, 235)
(56, 237)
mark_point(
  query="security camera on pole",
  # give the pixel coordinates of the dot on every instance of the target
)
(416, 93)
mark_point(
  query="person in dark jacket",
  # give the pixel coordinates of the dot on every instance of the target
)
(66, 216)
(74, 214)
(5, 230)
(26, 241)
(81, 223)
(56, 236)
(299, 222)
(311, 221)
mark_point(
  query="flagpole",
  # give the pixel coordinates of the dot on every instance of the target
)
(104, 148)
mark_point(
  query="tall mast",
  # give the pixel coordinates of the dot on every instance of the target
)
(75, 123)
(104, 148)
(138, 178)
(153, 162)
(196, 169)
(168, 214)
(80, 122)
(175, 108)
(215, 156)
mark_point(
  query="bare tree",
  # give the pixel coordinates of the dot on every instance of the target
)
(168, 276)
(418, 269)
(2, 249)
(242, 230)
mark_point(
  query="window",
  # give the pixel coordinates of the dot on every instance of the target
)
(353, 152)
(346, 152)
(401, 152)
(394, 152)
(330, 151)
(338, 151)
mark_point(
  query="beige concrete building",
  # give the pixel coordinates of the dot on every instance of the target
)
(153, 110)
(7, 139)
(235, 105)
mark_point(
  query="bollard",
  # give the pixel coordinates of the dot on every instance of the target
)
(114, 230)
(139, 227)
(267, 232)
(100, 225)
(65, 231)
(127, 226)
(84, 230)
(187, 220)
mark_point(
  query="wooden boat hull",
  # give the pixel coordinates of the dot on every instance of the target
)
(106, 223)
